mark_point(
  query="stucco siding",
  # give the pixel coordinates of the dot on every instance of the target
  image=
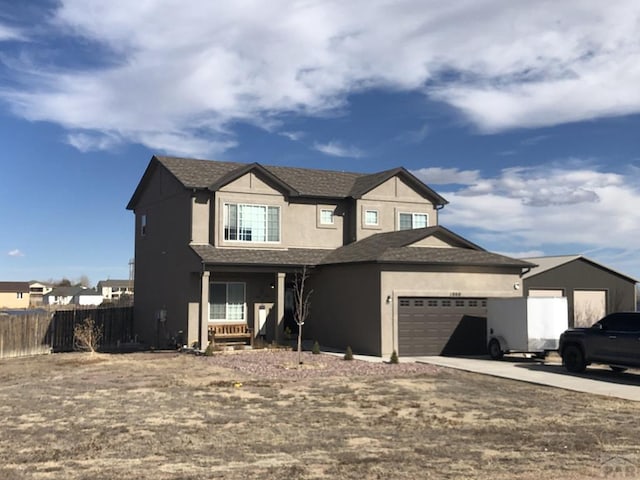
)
(390, 199)
(412, 282)
(432, 242)
(345, 309)
(300, 225)
(163, 261)
(200, 213)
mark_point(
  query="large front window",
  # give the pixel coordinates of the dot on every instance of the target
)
(251, 223)
(226, 302)
(408, 221)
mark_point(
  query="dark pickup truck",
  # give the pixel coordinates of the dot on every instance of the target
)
(613, 340)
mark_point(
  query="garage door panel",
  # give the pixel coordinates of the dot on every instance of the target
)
(589, 306)
(436, 326)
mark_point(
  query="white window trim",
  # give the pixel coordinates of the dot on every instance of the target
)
(322, 208)
(226, 313)
(330, 210)
(244, 242)
(367, 224)
(413, 215)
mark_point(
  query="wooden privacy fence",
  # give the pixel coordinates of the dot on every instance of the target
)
(22, 335)
(37, 333)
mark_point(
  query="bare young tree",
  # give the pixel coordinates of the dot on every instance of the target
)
(302, 299)
(87, 335)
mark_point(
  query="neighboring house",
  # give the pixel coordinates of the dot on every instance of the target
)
(220, 242)
(113, 290)
(37, 290)
(76, 295)
(61, 295)
(14, 295)
(592, 289)
(87, 296)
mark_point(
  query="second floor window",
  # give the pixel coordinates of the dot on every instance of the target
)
(251, 223)
(371, 217)
(326, 217)
(408, 221)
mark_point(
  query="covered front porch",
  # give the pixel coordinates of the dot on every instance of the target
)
(253, 287)
(243, 305)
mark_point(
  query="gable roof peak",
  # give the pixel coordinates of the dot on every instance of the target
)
(304, 182)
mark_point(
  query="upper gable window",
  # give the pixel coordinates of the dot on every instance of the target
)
(251, 223)
(408, 221)
(326, 217)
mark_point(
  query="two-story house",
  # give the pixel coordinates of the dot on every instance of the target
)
(37, 290)
(220, 242)
(115, 290)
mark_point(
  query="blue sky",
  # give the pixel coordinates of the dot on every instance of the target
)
(524, 115)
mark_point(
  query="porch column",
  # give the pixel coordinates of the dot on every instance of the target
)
(204, 311)
(280, 306)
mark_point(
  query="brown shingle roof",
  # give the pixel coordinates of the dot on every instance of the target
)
(391, 247)
(197, 173)
(14, 287)
(395, 247)
(242, 256)
(193, 173)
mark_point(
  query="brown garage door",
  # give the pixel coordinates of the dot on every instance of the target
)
(441, 326)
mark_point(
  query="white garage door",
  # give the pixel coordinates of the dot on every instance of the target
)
(589, 306)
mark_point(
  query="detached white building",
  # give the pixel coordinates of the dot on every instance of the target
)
(113, 290)
(77, 295)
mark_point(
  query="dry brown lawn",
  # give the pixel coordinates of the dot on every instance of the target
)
(256, 416)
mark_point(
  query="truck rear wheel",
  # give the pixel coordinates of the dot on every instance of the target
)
(495, 352)
(573, 359)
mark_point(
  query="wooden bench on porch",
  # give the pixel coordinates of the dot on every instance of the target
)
(230, 333)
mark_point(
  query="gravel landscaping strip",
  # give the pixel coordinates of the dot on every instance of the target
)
(283, 364)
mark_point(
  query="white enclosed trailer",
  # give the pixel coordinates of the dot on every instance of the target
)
(525, 324)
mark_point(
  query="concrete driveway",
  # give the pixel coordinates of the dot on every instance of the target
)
(597, 380)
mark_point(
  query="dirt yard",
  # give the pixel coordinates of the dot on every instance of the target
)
(254, 415)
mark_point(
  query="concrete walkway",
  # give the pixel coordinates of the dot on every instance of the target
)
(596, 380)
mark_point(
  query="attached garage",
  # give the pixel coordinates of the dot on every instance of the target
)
(592, 290)
(441, 326)
(417, 292)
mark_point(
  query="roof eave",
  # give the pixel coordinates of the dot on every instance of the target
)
(412, 180)
(235, 174)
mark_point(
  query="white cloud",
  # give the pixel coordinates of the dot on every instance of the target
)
(10, 33)
(587, 207)
(446, 176)
(15, 253)
(294, 136)
(414, 136)
(336, 149)
(180, 72)
(86, 142)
